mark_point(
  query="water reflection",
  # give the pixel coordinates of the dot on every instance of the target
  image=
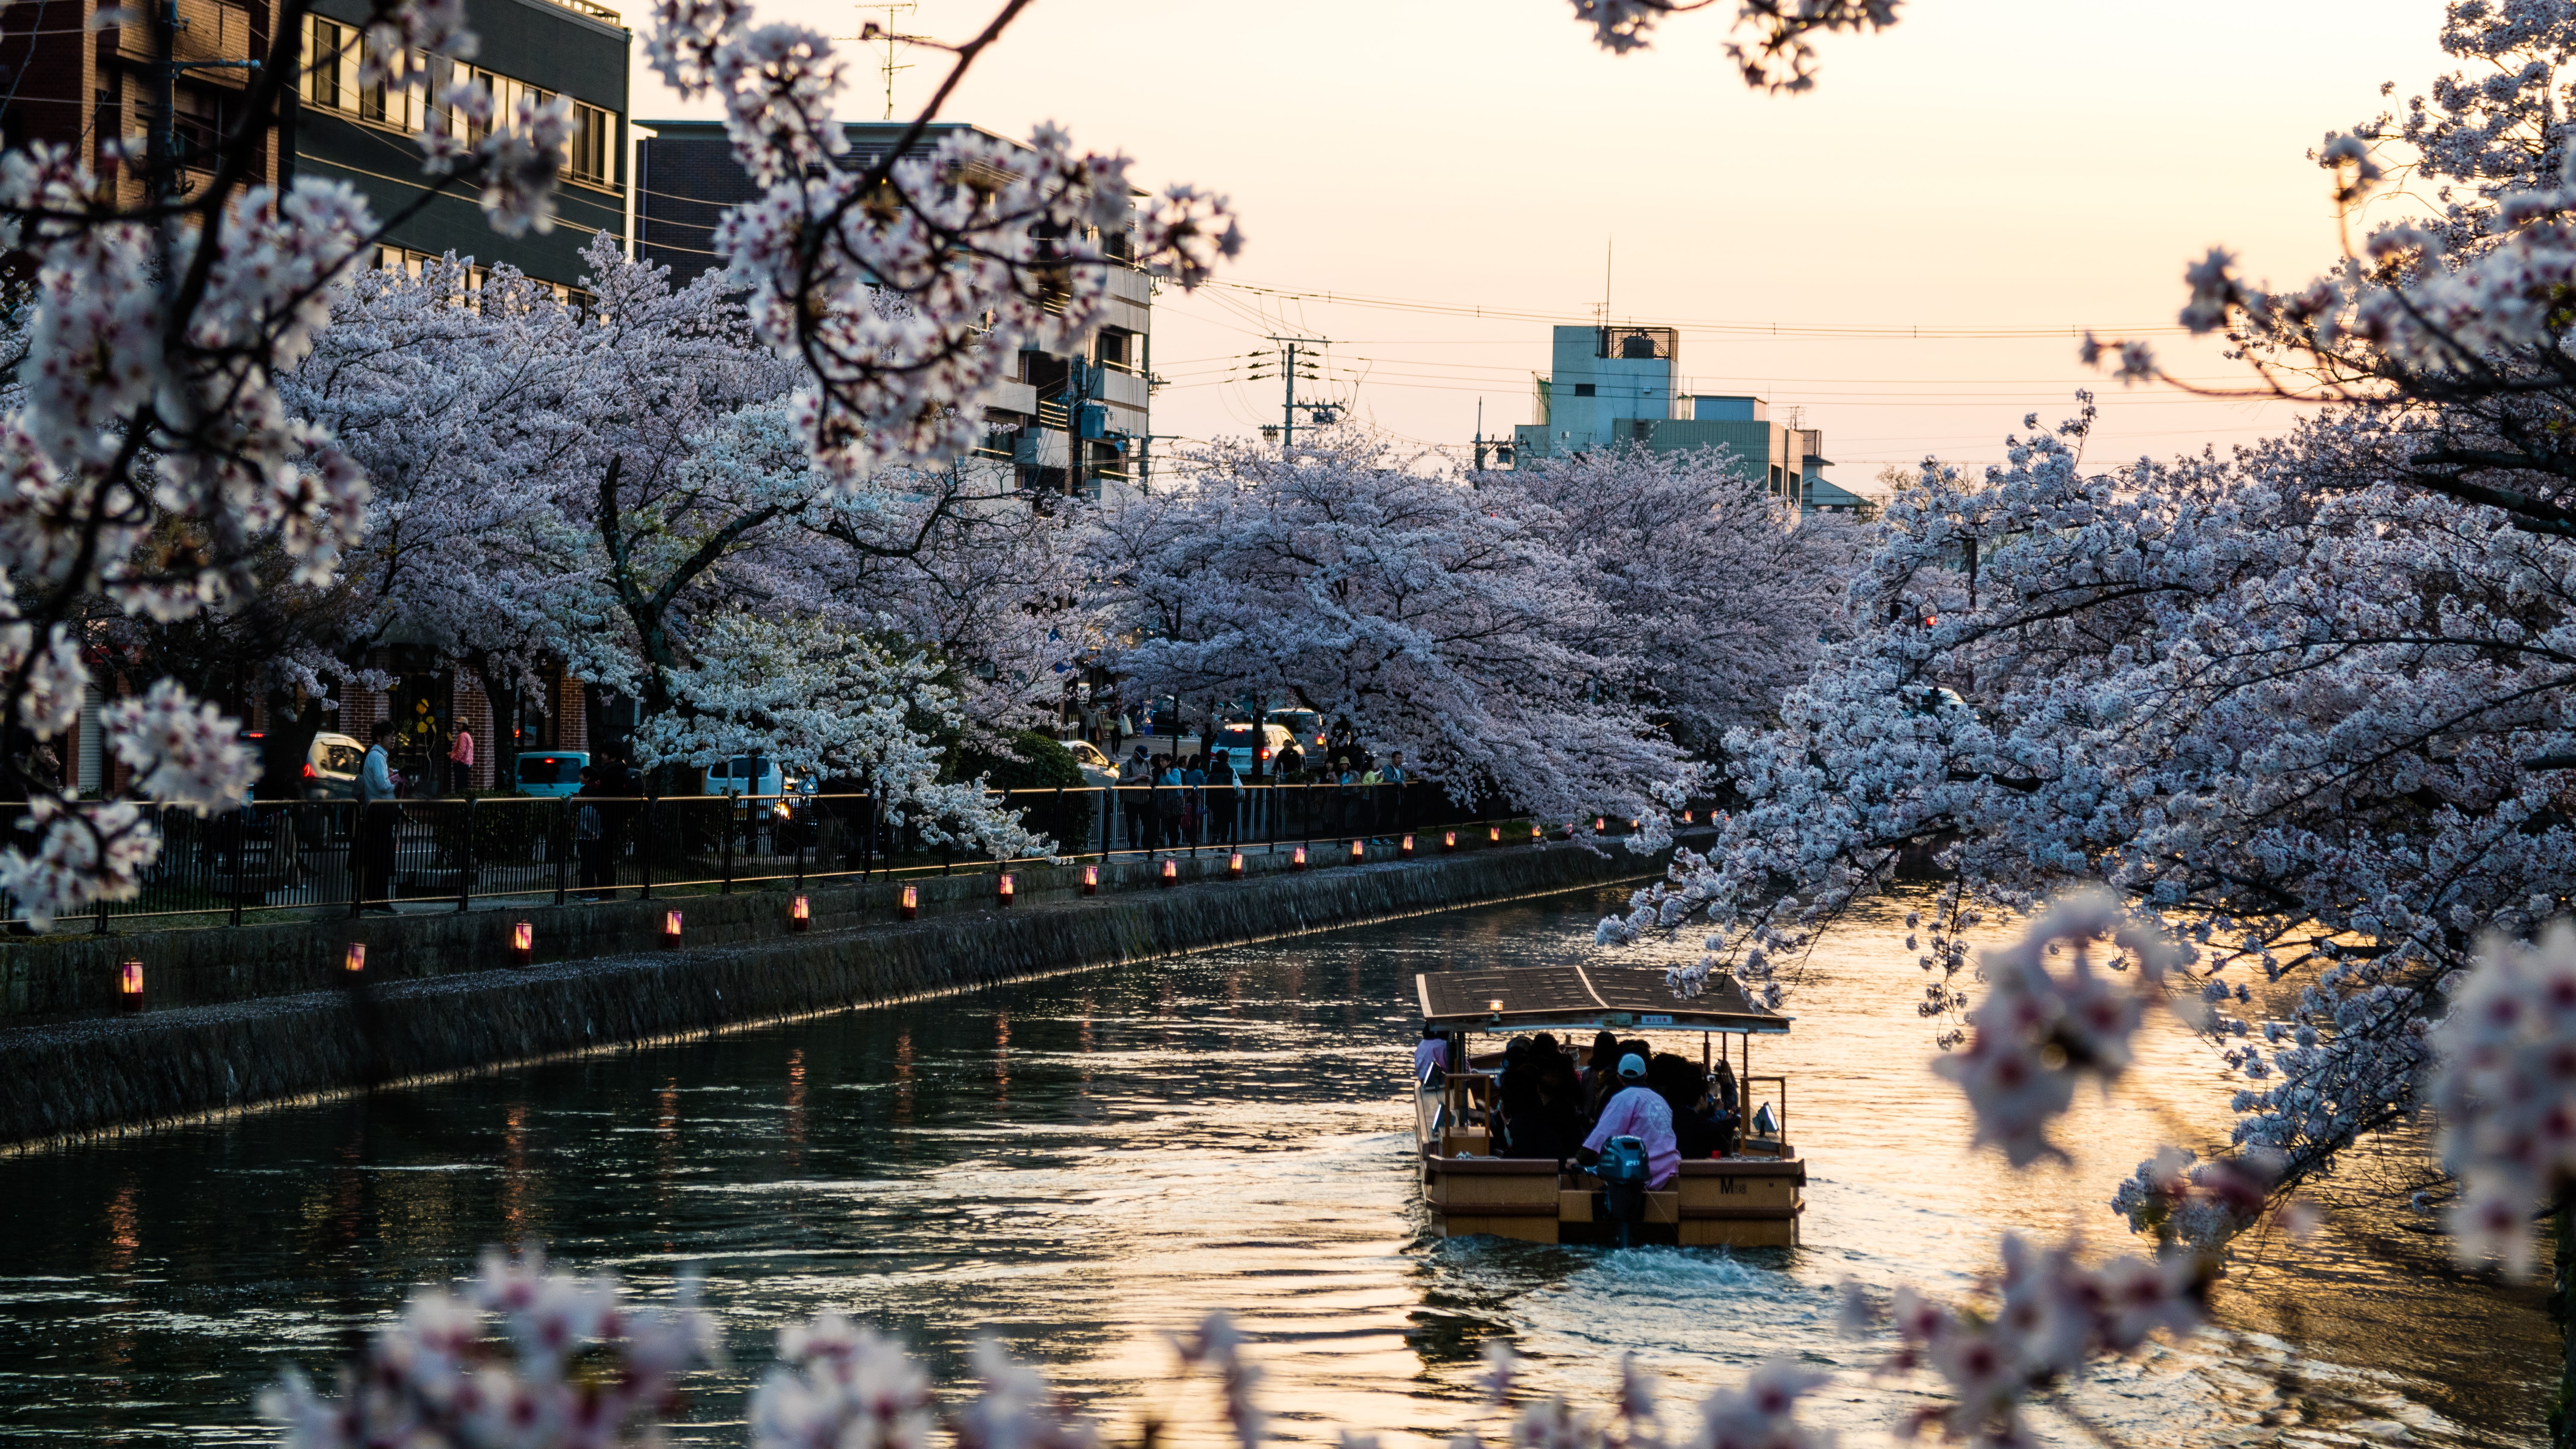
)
(1081, 1166)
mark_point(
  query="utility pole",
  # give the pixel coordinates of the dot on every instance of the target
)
(1288, 376)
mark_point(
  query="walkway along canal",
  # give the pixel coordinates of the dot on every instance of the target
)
(1082, 1163)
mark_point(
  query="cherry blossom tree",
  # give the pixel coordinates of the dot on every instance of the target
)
(1383, 590)
(1702, 572)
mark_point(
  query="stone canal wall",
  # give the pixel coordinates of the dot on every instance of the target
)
(249, 1026)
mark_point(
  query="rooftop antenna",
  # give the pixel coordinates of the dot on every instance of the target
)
(870, 30)
(1609, 251)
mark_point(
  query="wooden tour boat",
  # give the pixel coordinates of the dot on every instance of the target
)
(1750, 1198)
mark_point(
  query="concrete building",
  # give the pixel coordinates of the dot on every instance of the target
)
(75, 84)
(1621, 386)
(1092, 402)
(536, 48)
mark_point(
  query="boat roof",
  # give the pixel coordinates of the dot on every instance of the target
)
(1586, 998)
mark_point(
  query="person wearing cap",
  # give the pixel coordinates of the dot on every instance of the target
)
(1638, 1111)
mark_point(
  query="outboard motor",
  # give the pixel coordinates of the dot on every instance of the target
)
(1622, 1170)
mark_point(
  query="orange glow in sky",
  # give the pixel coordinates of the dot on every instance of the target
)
(1988, 165)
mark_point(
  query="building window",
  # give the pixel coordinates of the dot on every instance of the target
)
(1583, 389)
(330, 65)
(593, 153)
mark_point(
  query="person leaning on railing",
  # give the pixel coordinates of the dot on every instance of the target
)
(377, 818)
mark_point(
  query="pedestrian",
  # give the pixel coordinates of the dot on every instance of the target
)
(1136, 798)
(1228, 801)
(1393, 811)
(590, 834)
(1168, 801)
(1372, 785)
(378, 816)
(460, 761)
(1194, 800)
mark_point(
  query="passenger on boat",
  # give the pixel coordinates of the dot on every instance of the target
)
(1516, 1102)
(1432, 1052)
(1640, 1113)
(1697, 1128)
(1600, 1076)
(1559, 1128)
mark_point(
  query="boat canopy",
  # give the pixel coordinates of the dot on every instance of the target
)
(1586, 998)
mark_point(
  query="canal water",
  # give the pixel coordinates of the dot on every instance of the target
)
(1083, 1165)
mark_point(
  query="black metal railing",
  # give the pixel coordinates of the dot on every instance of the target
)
(272, 859)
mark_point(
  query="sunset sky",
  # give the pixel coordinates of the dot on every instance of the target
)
(1995, 166)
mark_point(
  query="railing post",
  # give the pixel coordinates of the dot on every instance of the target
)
(465, 859)
(727, 888)
(241, 849)
(357, 859)
(644, 845)
(564, 844)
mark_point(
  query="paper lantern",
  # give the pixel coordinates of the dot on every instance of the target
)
(1407, 847)
(1359, 850)
(1003, 886)
(1449, 841)
(911, 906)
(1599, 825)
(800, 914)
(1234, 866)
(1298, 861)
(1091, 880)
(129, 986)
(354, 963)
(1686, 817)
(523, 943)
(1171, 872)
(670, 928)
(1493, 835)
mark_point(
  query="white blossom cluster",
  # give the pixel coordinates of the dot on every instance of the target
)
(505, 1362)
(2038, 1030)
(530, 1357)
(2505, 1087)
(1779, 57)
(2051, 1315)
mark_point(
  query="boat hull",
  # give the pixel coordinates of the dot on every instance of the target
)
(1736, 1202)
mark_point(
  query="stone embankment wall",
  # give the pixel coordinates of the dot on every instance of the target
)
(438, 1002)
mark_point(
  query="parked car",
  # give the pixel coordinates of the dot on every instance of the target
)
(1249, 744)
(1306, 726)
(331, 767)
(551, 773)
(1097, 768)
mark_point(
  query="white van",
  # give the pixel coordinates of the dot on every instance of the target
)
(1249, 745)
(746, 775)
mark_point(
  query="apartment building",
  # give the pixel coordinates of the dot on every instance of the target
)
(1074, 420)
(180, 72)
(176, 72)
(1621, 386)
(538, 49)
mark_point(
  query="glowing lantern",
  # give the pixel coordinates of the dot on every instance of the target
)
(1091, 880)
(670, 928)
(911, 906)
(1493, 835)
(1298, 861)
(1449, 842)
(1234, 866)
(1003, 885)
(1535, 832)
(1599, 825)
(354, 964)
(523, 943)
(1407, 848)
(800, 914)
(1171, 872)
(1686, 817)
(1359, 850)
(129, 986)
